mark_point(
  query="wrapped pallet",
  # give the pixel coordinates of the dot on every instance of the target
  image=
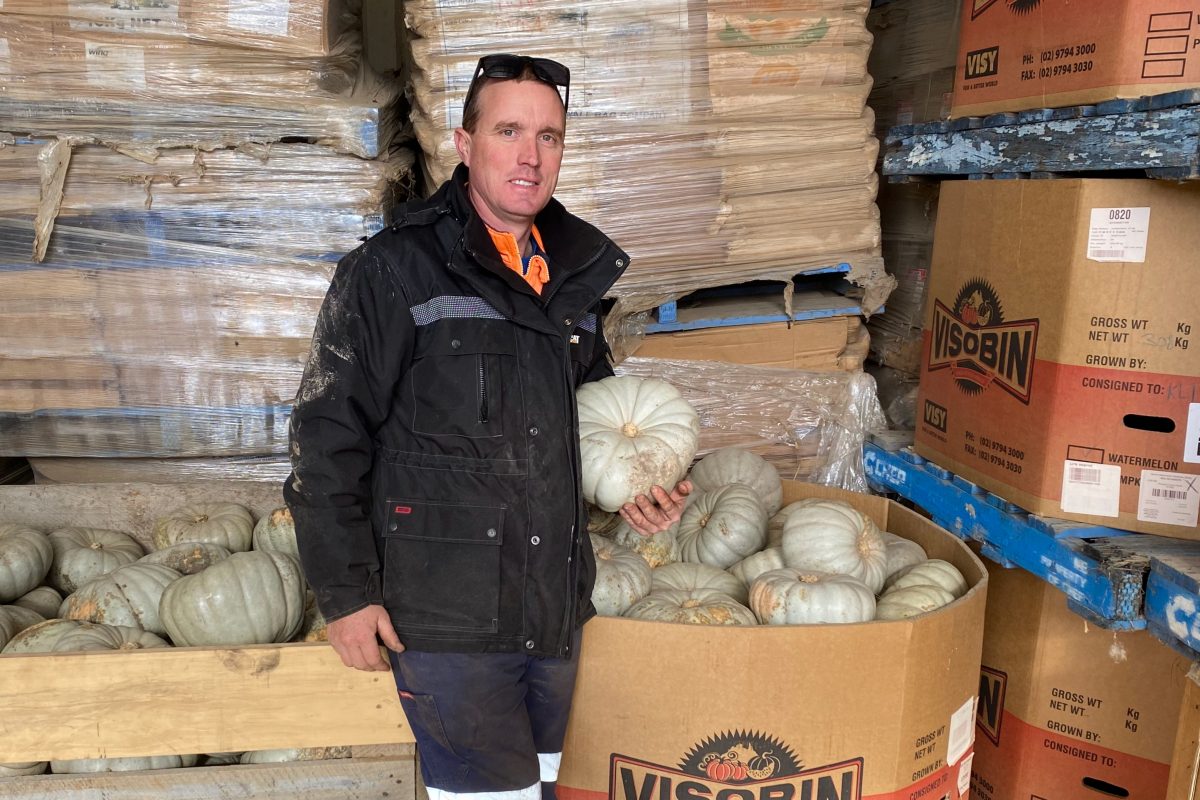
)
(172, 314)
(810, 425)
(139, 76)
(717, 142)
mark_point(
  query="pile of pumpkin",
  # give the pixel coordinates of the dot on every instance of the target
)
(736, 557)
(216, 578)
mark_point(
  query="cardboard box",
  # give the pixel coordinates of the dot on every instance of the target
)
(824, 712)
(1057, 368)
(1184, 782)
(1047, 53)
(1067, 709)
(820, 344)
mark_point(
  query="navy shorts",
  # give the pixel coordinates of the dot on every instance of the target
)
(487, 724)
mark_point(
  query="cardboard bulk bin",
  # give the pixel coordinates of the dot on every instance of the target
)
(1067, 709)
(815, 712)
(1021, 54)
(1057, 363)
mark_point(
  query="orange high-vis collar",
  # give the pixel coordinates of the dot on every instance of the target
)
(538, 274)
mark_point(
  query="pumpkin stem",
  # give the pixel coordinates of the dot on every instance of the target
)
(96, 546)
(629, 429)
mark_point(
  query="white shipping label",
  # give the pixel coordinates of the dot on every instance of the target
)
(1089, 488)
(962, 731)
(1118, 234)
(124, 15)
(260, 16)
(1191, 440)
(1171, 498)
(115, 65)
(964, 775)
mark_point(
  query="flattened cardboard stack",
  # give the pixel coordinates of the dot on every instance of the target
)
(186, 72)
(158, 286)
(912, 64)
(716, 142)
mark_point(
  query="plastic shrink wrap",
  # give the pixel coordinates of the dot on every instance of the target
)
(174, 307)
(139, 75)
(716, 142)
(810, 425)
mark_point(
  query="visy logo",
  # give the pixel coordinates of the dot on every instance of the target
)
(935, 415)
(981, 63)
(735, 766)
(973, 341)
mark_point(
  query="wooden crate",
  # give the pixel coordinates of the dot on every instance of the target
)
(195, 699)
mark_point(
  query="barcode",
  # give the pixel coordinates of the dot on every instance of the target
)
(1084, 475)
(1106, 254)
(1169, 494)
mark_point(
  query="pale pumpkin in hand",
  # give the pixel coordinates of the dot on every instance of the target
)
(634, 433)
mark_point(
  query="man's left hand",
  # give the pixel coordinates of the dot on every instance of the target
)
(657, 510)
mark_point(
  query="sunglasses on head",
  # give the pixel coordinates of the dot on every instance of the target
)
(506, 66)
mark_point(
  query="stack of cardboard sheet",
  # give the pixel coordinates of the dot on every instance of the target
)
(186, 72)
(163, 251)
(912, 64)
(716, 141)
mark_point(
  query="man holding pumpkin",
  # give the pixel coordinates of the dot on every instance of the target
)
(435, 452)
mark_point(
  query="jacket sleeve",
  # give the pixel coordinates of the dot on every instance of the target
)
(362, 344)
(601, 364)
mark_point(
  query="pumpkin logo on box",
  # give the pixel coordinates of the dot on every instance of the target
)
(735, 766)
(973, 341)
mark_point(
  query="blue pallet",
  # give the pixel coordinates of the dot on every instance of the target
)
(1117, 579)
(1158, 136)
(1010, 537)
(1173, 600)
(667, 319)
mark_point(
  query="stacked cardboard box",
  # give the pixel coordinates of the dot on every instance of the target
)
(1014, 56)
(1068, 709)
(716, 142)
(1057, 368)
(162, 253)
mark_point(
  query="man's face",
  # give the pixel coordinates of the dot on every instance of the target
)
(515, 152)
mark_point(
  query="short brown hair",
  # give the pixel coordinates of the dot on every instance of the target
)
(471, 110)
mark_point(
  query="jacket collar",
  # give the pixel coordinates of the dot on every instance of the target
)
(573, 246)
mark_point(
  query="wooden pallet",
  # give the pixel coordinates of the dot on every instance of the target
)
(1157, 136)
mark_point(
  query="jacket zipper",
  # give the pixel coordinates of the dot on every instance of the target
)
(483, 393)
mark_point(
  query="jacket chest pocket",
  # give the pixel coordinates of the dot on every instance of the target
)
(442, 564)
(583, 348)
(459, 380)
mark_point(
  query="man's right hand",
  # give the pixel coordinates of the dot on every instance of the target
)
(356, 638)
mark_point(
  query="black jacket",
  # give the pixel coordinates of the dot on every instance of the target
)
(434, 439)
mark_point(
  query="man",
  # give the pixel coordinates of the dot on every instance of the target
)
(435, 450)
